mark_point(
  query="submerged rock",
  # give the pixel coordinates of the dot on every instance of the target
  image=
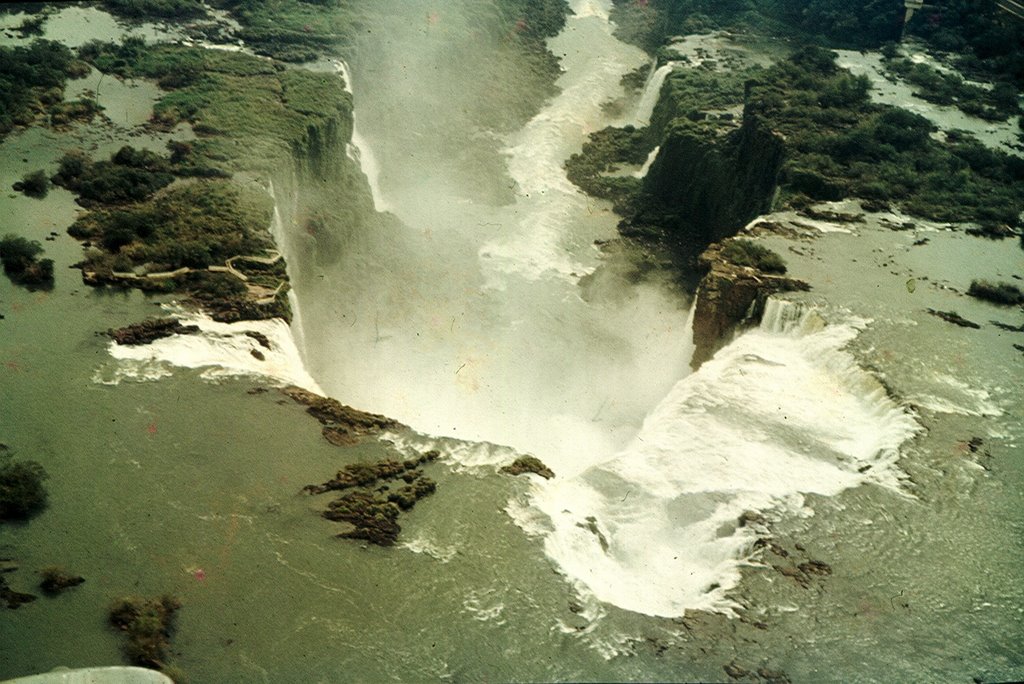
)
(13, 598)
(529, 464)
(151, 330)
(735, 671)
(57, 579)
(146, 623)
(954, 318)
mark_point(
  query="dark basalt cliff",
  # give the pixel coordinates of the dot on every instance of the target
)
(706, 184)
(730, 296)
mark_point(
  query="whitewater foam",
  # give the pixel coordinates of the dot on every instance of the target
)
(359, 150)
(221, 349)
(651, 92)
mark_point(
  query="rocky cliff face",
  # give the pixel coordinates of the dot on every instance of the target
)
(705, 184)
(729, 297)
(322, 197)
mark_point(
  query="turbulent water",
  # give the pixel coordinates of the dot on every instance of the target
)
(480, 308)
(470, 321)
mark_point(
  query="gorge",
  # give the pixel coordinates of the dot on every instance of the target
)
(745, 482)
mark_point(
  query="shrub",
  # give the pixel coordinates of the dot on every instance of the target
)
(34, 184)
(21, 488)
(748, 253)
(19, 257)
(997, 293)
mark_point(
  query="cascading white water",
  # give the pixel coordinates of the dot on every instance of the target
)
(470, 322)
(642, 171)
(359, 150)
(781, 412)
(651, 91)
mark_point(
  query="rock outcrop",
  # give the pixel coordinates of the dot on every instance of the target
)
(728, 297)
(343, 425)
(705, 184)
(150, 330)
(529, 464)
(369, 504)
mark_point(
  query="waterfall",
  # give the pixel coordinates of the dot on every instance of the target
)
(642, 171)
(791, 317)
(649, 98)
(779, 413)
(359, 150)
(472, 324)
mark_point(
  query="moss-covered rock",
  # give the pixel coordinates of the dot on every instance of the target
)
(369, 504)
(343, 424)
(730, 296)
(150, 330)
(146, 624)
(529, 464)
(22, 493)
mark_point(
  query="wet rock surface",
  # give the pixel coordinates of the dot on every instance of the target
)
(954, 318)
(343, 425)
(730, 296)
(369, 504)
(151, 330)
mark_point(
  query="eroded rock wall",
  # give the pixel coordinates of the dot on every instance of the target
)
(729, 297)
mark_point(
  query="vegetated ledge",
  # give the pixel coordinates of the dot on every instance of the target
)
(197, 223)
(729, 296)
(809, 133)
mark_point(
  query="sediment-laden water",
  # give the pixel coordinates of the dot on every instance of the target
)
(496, 328)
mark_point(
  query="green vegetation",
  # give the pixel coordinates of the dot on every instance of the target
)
(602, 154)
(21, 488)
(997, 293)
(146, 233)
(147, 625)
(156, 9)
(808, 128)
(693, 95)
(21, 262)
(129, 176)
(34, 184)
(857, 23)
(742, 252)
(987, 42)
(846, 146)
(195, 224)
(32, 78)
(249, 112)
(997, 104)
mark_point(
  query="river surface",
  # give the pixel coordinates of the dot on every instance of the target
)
(489, 322)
